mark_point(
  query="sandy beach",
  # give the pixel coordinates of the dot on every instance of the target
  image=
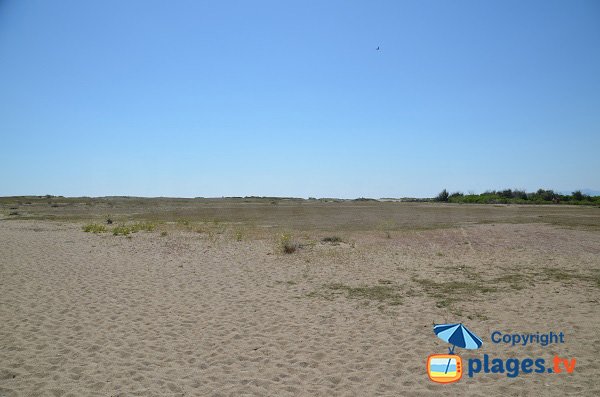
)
(299, 198)
(188, 313)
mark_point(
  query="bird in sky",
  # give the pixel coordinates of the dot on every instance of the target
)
(377, 48)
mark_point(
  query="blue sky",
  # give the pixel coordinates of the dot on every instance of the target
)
(291, 98)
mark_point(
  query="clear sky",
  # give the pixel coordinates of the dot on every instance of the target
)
(291, 98)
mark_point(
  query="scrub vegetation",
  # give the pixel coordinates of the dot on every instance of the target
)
(509, 196)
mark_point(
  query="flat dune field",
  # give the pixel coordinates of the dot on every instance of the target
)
(201, 299)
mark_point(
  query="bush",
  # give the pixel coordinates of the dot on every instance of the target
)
(578, 196)
(545, 195)
(442, 196)
(520, 194)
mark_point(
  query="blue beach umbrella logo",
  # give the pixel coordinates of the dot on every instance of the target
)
(457, 335)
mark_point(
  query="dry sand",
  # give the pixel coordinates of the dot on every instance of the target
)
(203, 314)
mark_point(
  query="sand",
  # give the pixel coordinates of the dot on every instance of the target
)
(197, 314)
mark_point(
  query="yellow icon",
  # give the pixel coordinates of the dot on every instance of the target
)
(444, 368)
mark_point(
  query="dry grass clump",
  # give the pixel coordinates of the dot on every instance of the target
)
(287, 245)
(332, 239)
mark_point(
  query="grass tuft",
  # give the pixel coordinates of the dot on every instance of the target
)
(239, 235)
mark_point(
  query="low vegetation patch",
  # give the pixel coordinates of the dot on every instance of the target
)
(125, 230)
(516, 281)
(332, 240)
(143, 226)
(121, 230)
(565, 275)
(94, 228)
(448, 292)
(380, 293)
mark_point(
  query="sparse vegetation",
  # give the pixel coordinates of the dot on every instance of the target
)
(94, 228)
(387, 228)
(448, 292)
(381, 293)
(125, 230)
(239, 235)
(121, 230)
(142, 226)
(566, 275)
(332, 239)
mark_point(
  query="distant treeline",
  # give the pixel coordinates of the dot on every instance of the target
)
(509, 196)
